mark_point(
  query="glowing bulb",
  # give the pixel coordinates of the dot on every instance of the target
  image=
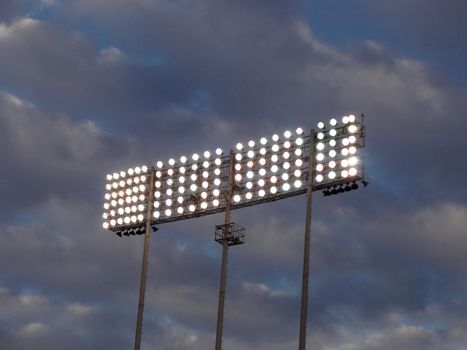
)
(180, 210)
(262, 172)
(261, 182)
(297, 184)
(320, 157)
(239, 146)
(287, 144)
(352, 139)
(286, 165)
(237, 198)
(195, 157)
(238, 156)
(319, 178)
(344, 173)
(262, 151)
(273, 189)
(248, 195)
(219, 151)
(217, 182)
(204, 205)
(193, 177)
(238, 177)
(181, 189)
(216, 192)
(168, 212)
(286, 155)
(352, 129)
(352, 171)
(218, 161)
(251, 154)
(285, 176)
(263, 141)
(183, 159)
(275, 148)
(353, 161)
(333, 122)
(352, 150)
(274, 158)
(345, 141)
(191, 208)
(262, 161)
(180, 199)
(193, 187)
(206, 164)
(299, 141)
(207, 154)
(299, 131)
(345, 119)
(250, 174)
(332, 153)
(285, 186)
(320, 136)
(344, 151)
(333, 132)
(261, 193)
(298, 163)
(332, 175)
(297, 173)
(344, 163)
(274, 168)
(320, 146)
(298, 152)
(332, 164)
(130, 171)
(249, 185)
(287, 134)
(215, 202)
(275, 137)
(351, 118)
(251, 143)
(205, 184)
(320, 125)
(273, 179)
(194, 167)
(159, 164)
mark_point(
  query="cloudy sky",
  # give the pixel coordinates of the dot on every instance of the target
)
(92, 86)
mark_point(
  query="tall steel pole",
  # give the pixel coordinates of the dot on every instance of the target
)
(306, 248)
(225, 247)
(144, 267)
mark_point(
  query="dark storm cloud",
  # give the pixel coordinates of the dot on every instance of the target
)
(191, 75)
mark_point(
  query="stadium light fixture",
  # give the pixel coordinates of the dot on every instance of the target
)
(254, 172)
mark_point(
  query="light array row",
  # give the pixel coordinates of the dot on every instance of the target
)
(126, 197)
(336, 150)
(270, 167)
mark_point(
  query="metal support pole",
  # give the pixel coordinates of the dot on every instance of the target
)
(144, 268)
(225, 247)
(306, 249)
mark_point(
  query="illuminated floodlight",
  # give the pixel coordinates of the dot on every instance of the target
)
(265, 169)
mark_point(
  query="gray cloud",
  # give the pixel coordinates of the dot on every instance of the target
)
(386, 261)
